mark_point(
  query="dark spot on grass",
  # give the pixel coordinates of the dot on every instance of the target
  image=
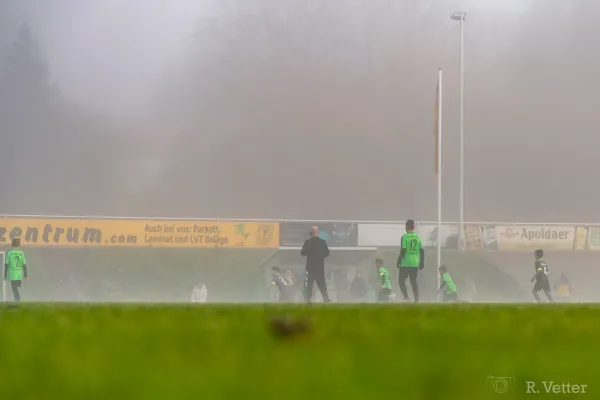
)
(287, 327)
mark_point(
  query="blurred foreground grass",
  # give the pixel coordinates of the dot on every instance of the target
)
(357, 352)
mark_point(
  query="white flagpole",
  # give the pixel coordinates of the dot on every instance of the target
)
(439, 163)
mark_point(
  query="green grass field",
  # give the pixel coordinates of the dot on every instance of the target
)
(356, 352)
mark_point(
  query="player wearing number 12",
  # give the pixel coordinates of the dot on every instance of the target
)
(15, 268)
(410, 261)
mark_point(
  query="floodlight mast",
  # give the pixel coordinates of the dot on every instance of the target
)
(461, 16)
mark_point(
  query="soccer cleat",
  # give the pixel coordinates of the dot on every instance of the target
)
(407, 300)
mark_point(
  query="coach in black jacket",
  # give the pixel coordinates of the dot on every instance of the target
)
(315, 250)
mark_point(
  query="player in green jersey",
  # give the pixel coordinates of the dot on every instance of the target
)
(410, 261)
(447, 287)
(385, 283)
(15, 268)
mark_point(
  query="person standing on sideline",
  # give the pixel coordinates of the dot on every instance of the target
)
(199, 294)
(316, 251)
(203, 293)
(15, 268)
(410, 261)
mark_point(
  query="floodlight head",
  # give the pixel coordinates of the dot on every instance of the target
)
(458, 16)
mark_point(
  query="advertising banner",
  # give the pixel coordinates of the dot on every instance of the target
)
(594, 238)
(390, 235)
(428, 234)
(294, 234)
(582, 234)
(138, 233)
(524, 237)
(489, 237)
(473, 238)
(380, 235)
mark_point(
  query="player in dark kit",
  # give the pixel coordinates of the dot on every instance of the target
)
(316, 251)
(282, 284)
(542, 281)
(410, 261)
(15, 268)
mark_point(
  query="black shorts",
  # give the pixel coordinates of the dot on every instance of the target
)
(384, 295)
(542, 284)
(407, 272)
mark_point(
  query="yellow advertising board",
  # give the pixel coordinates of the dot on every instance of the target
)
(138, 233)
(523, 237)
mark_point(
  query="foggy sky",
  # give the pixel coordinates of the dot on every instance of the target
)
(281, 106)
(108, 54)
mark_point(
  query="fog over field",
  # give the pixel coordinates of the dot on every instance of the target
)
(297, 108)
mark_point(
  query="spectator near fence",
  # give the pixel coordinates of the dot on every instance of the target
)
(199, 294)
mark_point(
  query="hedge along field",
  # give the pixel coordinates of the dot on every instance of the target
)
(354, 352)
